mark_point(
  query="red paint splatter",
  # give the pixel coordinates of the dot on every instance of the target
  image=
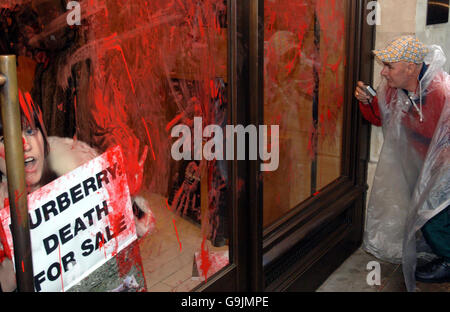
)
(119, 48)
(205, 260)
(286, 23)
(149, 138)
(174, 121)
(168, 206)
(101, 245)
(176, 231)
(17, 195)
(115, 220)
(132, 52)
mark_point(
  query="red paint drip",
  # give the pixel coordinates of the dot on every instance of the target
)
(149, 138)
(176, 231)
(101, 245)
(128, 71)
(119, 48)
(114, 221)
(174, 121)
(129, 257)
(206, 262)
(168, 206)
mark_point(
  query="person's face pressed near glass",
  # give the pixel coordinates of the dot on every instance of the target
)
(34, 155)
(395, 74)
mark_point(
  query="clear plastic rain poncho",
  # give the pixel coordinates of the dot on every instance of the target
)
(410, 185)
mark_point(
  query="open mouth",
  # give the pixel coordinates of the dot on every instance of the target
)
(29, 162)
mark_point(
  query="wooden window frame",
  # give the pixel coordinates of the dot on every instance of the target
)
(306, 245)
(301, 249)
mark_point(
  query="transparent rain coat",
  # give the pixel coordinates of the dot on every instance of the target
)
(412, 179)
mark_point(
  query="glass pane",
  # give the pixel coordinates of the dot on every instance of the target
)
(304, 86)
(127, 74)
(332, 49)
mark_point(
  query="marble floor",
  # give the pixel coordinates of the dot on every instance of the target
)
(351, 276)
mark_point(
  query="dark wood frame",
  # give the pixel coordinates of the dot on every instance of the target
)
(301, 249)
(305, 246)
(245, 250)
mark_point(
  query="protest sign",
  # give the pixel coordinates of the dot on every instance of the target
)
(78, 222)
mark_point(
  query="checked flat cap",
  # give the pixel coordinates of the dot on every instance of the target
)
(405, 48)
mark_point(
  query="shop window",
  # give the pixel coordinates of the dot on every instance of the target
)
(304, 93)
(126, 75)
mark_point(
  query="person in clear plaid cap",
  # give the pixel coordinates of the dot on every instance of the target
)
(408, 218)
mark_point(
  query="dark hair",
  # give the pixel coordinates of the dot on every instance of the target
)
(31, 116)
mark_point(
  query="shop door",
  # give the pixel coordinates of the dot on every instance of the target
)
(312, 206)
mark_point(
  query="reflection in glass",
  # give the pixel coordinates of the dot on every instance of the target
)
(126, 76)
(304, 64)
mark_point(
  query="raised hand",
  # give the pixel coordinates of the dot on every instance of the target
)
(361, 94)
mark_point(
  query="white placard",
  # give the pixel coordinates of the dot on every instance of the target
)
(78, 222)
